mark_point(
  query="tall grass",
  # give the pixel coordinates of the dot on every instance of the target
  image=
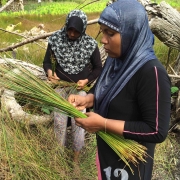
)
(32, 153)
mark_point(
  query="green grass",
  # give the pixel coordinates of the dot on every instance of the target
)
(166, 158)
(58, 8)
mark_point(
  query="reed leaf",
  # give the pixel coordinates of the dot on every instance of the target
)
(39, 93)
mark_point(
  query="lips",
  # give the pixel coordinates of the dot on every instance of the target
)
(106, 50)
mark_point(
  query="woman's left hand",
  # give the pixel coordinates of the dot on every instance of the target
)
(92, 123)
(82, 83)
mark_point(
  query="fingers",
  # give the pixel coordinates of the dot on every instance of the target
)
(77, 102)
(51, 76)
(71, 99)
(82, 83)
(78, 122)
(82, 122)
(55, 81)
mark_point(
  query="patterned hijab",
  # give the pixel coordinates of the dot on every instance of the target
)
(128, 17)
(72, 56)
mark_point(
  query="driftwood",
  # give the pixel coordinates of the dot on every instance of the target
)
(9, 103)
(6, 5)
(164, 22)
(16, 111)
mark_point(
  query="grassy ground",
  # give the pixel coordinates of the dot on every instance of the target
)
(167, 159)
(30, 152)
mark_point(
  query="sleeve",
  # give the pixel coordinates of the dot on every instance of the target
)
(154, 103)
(47, 59)
(96, 65)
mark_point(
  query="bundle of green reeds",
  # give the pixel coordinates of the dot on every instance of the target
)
(39, 93)
(61, 83)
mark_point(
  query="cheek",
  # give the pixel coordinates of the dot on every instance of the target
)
(68, 34)
(116, 48)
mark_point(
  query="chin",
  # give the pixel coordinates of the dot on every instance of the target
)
(112, 56)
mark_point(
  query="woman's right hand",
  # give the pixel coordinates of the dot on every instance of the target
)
(53, 78)
(81, 102)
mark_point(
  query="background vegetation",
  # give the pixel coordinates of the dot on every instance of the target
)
(31, 152)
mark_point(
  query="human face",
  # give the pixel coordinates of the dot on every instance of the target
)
(111, 40)
(73, 34)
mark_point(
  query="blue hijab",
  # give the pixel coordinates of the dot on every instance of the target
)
(129, 18)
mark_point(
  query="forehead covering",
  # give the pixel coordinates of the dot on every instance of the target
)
(129, 18)
(74, 17)
(73, 56)
(76, 23)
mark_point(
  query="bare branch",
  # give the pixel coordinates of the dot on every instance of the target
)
(89, 3)
(19, 35)
(30, 40)
(172, 70)
(174, 76)
(6, 5)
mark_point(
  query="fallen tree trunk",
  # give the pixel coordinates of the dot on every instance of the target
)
(10, 104)
(165, 23)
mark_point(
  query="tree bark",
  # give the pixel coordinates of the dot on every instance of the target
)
(165, 24)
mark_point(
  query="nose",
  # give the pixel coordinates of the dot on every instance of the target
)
(104, 39)
(72, 33)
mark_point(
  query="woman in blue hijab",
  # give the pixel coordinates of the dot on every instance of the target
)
(132, 95)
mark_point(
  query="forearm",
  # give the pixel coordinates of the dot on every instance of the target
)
(47, 61)
(89, 100)
(114, 126)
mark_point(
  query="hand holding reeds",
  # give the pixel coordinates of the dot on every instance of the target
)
(82, 83)
(52, 78)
